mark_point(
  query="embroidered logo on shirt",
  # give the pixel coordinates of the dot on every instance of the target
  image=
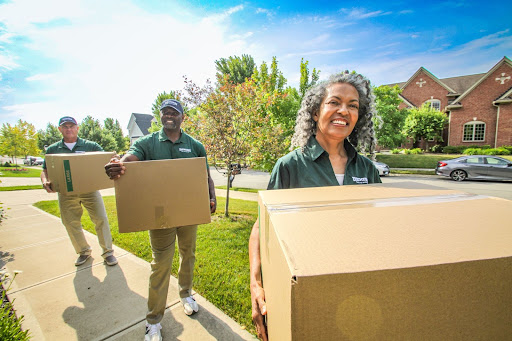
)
(360, 180)
(185, 150)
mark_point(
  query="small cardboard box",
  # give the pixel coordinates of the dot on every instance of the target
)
(384, 262)
(162, 193)
(77, 173)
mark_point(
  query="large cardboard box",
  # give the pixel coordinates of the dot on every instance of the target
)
(76, 173)
(384, 262)
(162, 193)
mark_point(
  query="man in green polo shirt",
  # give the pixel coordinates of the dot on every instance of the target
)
(169, 143)
(71, 204)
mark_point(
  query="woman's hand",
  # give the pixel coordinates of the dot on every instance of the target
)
(259, 310)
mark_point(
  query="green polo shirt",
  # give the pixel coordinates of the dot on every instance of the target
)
(157, 146)
(312, 168)
(81, 146)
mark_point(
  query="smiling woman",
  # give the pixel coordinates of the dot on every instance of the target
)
(334, 118)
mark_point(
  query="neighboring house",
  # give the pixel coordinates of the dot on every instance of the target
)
(479, 107)
(138, 126)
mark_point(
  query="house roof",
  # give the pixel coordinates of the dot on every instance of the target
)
(459, 84)
(143, 121)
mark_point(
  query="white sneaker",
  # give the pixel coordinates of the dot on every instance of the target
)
(153, 332)
(189, 305)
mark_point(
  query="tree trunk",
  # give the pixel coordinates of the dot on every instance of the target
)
(226, 210)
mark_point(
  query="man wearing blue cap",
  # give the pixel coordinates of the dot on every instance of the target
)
(71, 204)
(171, 142)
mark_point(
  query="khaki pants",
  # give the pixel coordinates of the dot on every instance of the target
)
(162, 245)
(71, 214)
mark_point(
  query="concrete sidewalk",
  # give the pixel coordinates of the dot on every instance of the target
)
(92, 301)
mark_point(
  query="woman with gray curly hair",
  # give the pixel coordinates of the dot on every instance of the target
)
(335, 118)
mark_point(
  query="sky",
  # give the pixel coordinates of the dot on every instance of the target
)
(112, 58)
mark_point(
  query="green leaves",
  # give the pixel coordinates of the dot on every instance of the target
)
(18, 140)
(390, 119)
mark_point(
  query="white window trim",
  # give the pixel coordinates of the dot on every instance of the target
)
(474, 123)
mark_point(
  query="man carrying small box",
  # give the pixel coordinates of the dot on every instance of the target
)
(71, 204)
(168, 143)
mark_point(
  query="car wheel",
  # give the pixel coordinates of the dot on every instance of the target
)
(458, 175)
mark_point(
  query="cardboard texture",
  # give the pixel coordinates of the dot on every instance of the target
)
(76, 173)
(386, 262)
(162, 193)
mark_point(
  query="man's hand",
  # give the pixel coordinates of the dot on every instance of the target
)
(115, 168)
(213, 205)
(47, 185)
(259, 309)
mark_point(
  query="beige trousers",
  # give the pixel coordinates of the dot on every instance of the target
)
(71, 214)
(162, 245)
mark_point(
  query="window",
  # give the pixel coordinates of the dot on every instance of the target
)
(474, 160)
(474, 131)
(494, 161)
(434, 104)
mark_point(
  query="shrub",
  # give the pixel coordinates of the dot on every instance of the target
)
(10, 326)
(436, 148)
(416, 151)
(473, 151)
(395, 151)
(452, 149)
(7, 164)
(509, 148)
(496, 151)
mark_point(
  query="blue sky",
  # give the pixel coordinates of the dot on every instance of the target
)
(111, 58)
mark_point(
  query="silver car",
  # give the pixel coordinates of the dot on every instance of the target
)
(382, 168)
(476, 167)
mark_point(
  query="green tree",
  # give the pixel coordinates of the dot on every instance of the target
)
(48, 136)
(231, 124)
(425, 123)
(18, 140)
(91, 129)
(305, 81)
(115, 129)
(390, 120)
(237, 68)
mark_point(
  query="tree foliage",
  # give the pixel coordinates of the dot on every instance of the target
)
(237, 68)
(115, 129)
(233, 124)
(390, 120)
(306, 81)
(48, 136)
(425, 123)
(91, 129)
(18, 140)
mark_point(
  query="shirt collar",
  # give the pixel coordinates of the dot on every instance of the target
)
(162, 136)
(315, 149)
(79, 142)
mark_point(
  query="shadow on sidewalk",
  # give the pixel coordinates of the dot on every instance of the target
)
(109, 306)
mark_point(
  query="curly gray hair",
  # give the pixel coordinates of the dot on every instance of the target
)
(363, 135)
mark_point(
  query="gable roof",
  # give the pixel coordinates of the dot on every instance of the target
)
(143, 121)
(506, 97)
(428, 73)
(487, 74)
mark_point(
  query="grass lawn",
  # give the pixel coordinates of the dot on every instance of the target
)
(414, 161)
(222, 261)
(27, 173)
(20, 188)
(239, 189)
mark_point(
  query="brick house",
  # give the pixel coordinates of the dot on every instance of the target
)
(479, 107)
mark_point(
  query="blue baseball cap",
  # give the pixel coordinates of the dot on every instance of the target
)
(67, 119)
(172, 103)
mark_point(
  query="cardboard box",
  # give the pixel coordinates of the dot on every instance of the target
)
(76, 173)
(162, 194)
(386, 262)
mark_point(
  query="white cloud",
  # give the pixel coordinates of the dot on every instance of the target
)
(317, 52)
(40, 77)
(114, 58)
(362, 13)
